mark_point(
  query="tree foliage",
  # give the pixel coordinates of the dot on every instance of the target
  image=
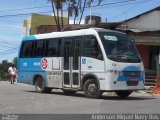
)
(75, 9)
(15, 60)
(4, 68)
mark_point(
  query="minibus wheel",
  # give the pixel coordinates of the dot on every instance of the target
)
(40, 86)
(91, 89)
(123, 93)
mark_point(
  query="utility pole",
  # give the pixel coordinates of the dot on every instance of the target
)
(90, 12)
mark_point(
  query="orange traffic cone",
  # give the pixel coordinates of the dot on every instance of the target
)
(157, 89)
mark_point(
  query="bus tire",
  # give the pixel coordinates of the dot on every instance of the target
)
(91, 89)
(40, 86)
(123, 93)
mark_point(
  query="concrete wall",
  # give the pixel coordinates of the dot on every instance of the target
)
(36, 20)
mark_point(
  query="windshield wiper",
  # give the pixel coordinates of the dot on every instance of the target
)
(122, 57)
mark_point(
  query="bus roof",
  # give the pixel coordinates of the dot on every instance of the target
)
(88, 31)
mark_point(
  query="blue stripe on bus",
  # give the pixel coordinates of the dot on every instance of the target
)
(130, 68)
(28, 77)
(31, 37)
(29, 67)
(30, 64)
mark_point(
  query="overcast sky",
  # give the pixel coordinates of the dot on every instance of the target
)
(11, 18)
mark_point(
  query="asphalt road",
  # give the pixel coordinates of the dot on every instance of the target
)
(22, 99)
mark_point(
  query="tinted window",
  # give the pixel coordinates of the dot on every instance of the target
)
(76, 52)
(91, 48)
(67, 52)
(26, 50)
(38, 48)
(53, 48)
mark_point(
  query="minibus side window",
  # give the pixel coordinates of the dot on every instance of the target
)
(77, 44)
(26, 51)
(38, 49)
(91, 48)
(53, 47)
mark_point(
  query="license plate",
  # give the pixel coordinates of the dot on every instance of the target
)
(133, 79)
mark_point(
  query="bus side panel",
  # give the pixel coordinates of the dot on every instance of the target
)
(54, 72)
(29, 68)
(95, 67)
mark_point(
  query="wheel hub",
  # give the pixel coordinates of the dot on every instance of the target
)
(92, 88)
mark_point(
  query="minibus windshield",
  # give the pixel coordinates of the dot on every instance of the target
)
(119, 47)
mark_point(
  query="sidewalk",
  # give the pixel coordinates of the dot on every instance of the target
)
(146, 92)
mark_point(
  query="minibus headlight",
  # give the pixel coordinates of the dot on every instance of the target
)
(114, 72)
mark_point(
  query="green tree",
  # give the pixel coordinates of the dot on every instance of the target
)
(74, 8)
(89, 4)
(57, 7)
(4, 69)
(15, 60)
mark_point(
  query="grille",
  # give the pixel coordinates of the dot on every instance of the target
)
(131, 73)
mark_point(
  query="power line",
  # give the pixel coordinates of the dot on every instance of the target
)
(135, 2)
(17, 9)
(112, 3)
(9, 50)
(126, 1)
(66, 3)
(8, 54)
(23, 8)
(4, 46)
(16, 15)
(12, 43)
(138, 2)
(8, 45)
(11, 46)
(5, 40)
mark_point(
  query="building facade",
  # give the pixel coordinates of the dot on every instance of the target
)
(145, 29)
(148, 44)
(36, 22)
